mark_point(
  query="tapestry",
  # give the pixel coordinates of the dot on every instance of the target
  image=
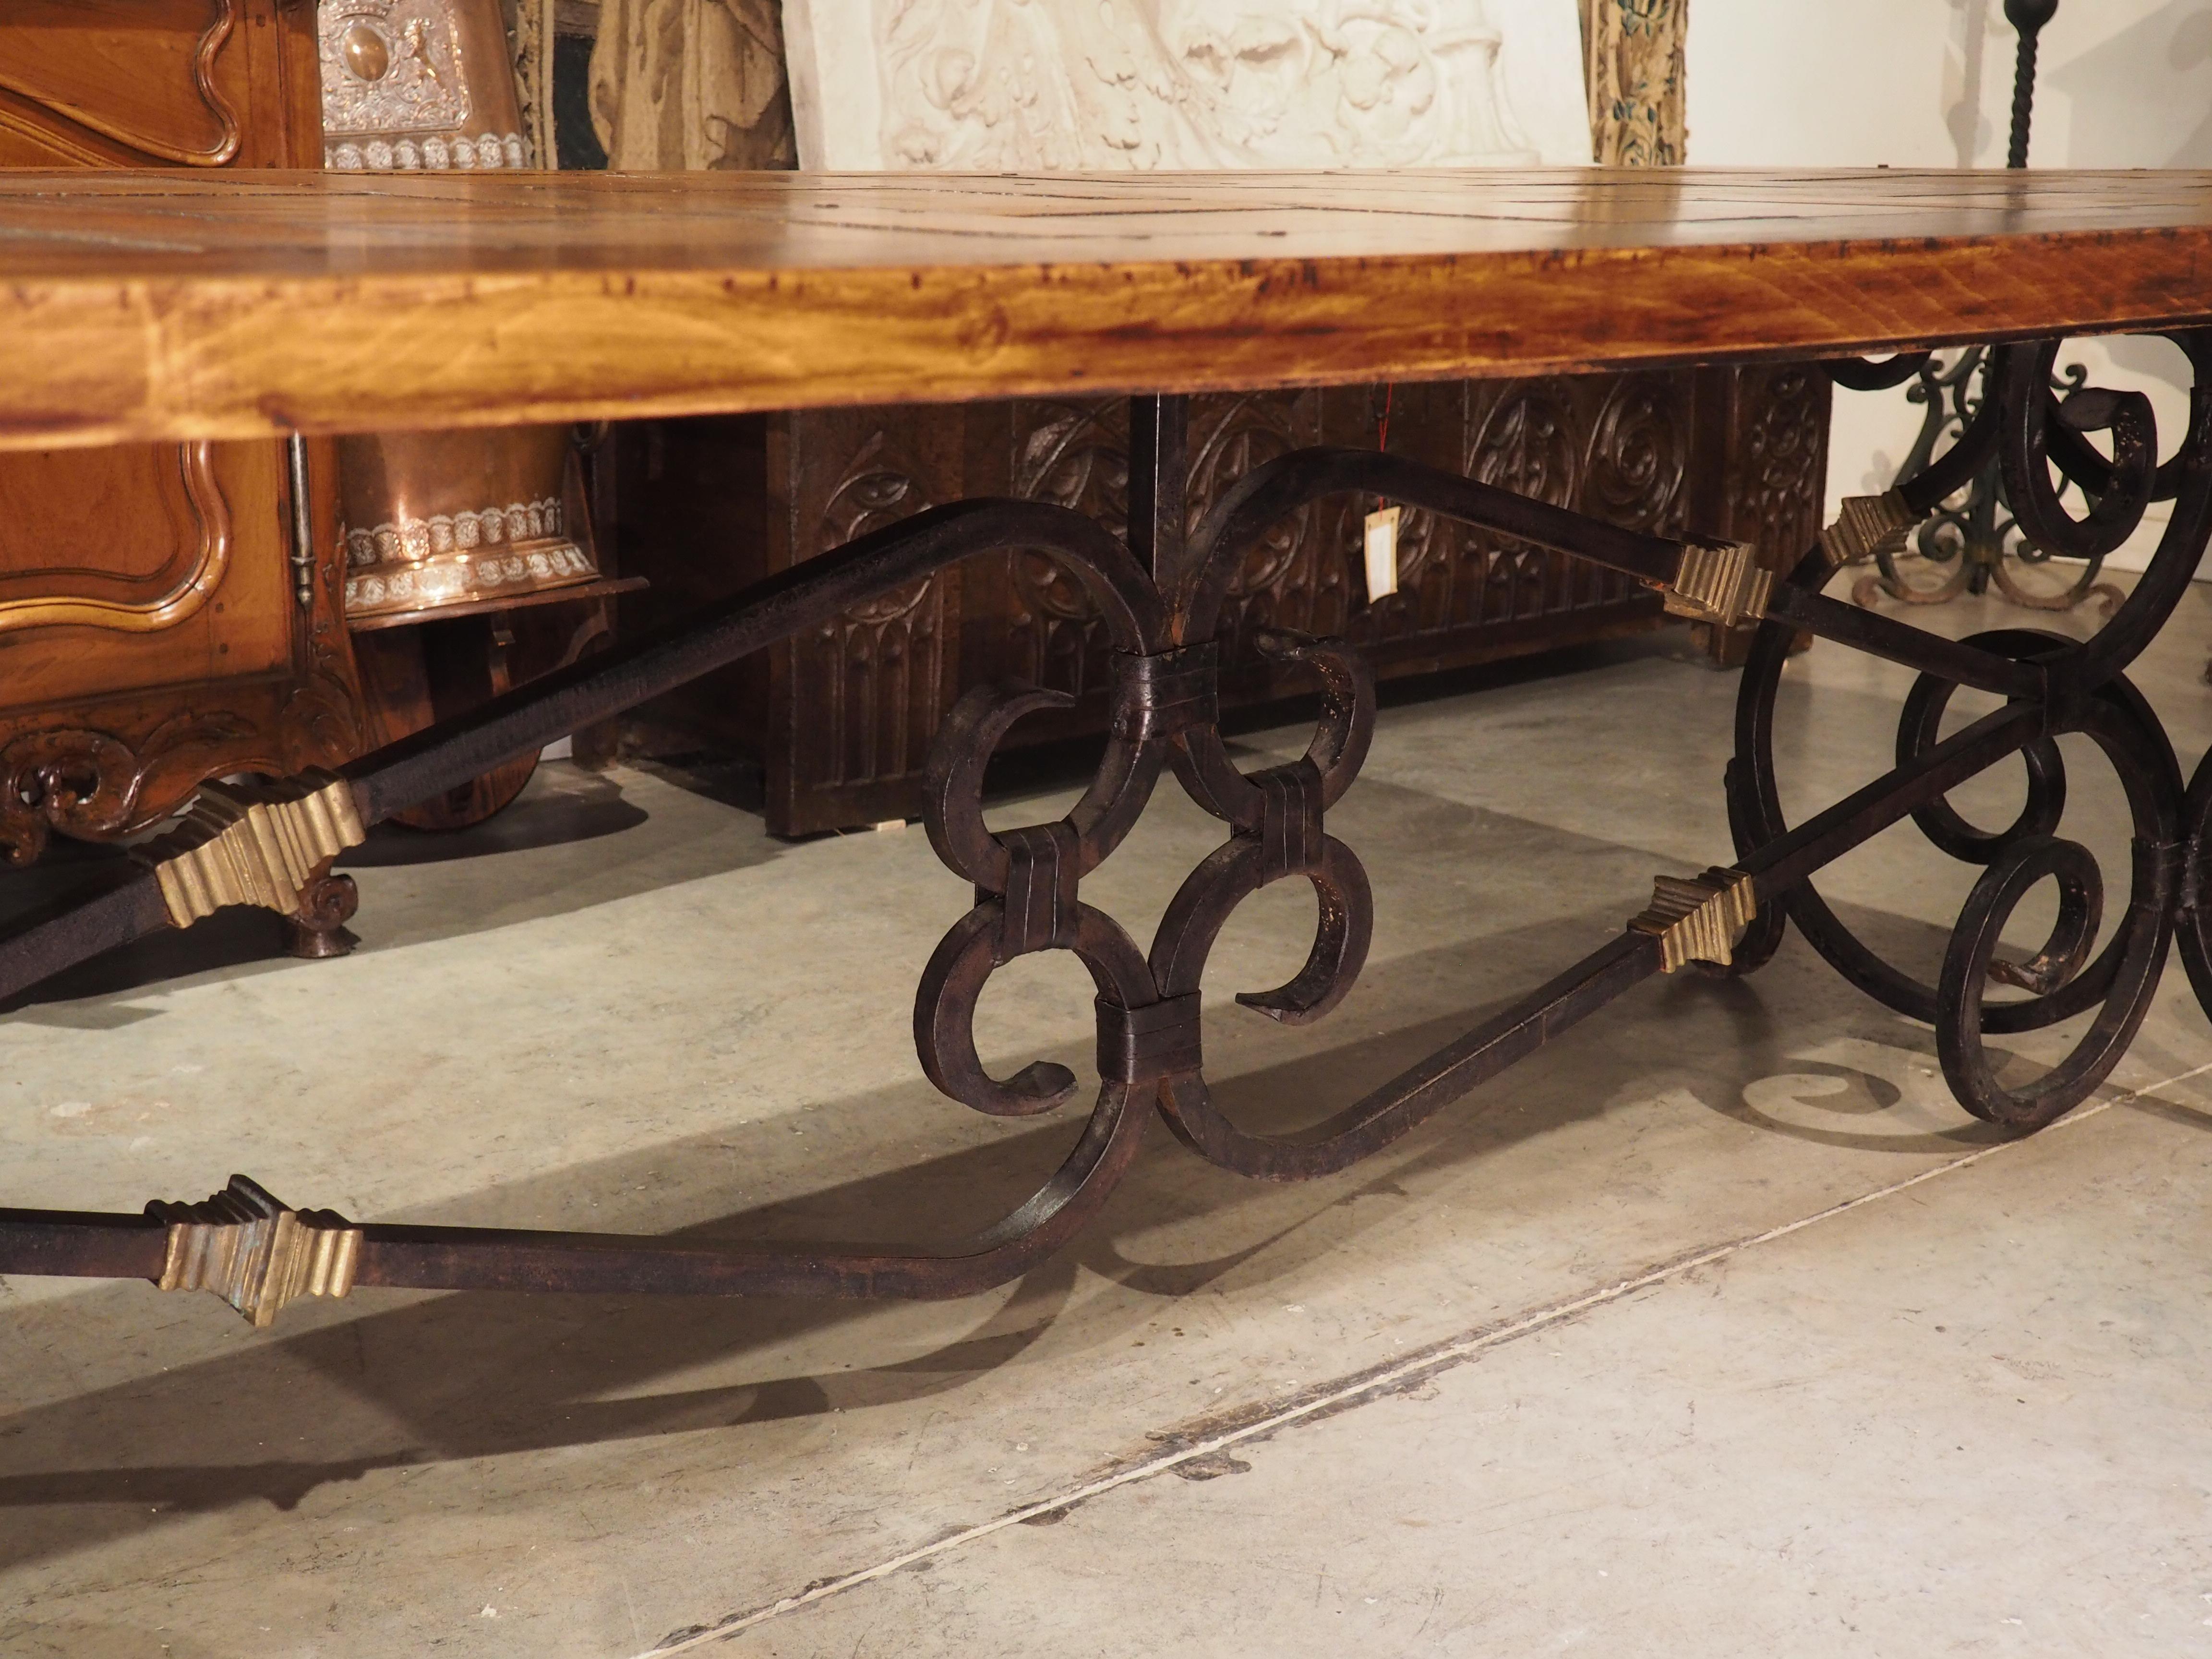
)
(1633, 51)
(691, 84)
(532, 34)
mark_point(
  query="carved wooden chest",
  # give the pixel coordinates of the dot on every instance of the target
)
(841, 719)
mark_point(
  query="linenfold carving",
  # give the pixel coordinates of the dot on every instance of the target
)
(881, 661)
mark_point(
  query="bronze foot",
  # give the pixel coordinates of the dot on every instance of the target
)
(317, 928)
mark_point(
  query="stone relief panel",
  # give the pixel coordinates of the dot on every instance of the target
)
(1113, 85)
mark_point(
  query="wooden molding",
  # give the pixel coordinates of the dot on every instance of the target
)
(134, 136)
(203, 572)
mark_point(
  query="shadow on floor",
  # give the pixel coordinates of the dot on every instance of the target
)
(576, 806)
(452, 1377)
(563, 807)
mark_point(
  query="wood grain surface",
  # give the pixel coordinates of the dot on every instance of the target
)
(141, 306)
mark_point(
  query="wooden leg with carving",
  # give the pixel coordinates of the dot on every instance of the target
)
(317, 928)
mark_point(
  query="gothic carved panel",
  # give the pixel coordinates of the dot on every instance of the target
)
(1291, 577)
(1639, 448)
(847, 741)
(1617, 447)
(1075, 455)
(1527, 445)
(872, 681)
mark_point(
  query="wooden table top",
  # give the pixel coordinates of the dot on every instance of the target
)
(143, 305)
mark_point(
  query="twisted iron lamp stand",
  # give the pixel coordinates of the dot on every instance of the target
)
(1978, 534)
(1162, 597)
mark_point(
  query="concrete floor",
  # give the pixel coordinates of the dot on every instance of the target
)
(1715, 1329)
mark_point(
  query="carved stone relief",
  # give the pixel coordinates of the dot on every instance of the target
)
(992, 85)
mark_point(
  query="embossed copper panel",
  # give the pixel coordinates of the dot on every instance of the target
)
(417, 85)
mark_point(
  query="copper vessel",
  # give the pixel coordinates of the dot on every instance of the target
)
(433, 520)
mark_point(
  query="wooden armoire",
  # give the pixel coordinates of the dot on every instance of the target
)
(162, 619)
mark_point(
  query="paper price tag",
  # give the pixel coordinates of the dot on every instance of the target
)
(1383, 554)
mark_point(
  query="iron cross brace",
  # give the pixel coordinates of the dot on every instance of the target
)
(1162, 595)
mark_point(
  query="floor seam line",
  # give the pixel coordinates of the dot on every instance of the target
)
(1438, 1358)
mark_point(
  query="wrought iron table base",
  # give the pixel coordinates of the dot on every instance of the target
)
(1162, 595)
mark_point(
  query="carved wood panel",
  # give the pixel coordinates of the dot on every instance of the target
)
(1616, 447)
(1075, 455)
(1778, 460)
(140, 84)
(154, 517)
(1766, 428)
(857, 701)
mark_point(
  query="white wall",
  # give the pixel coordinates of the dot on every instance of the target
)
(2122, 83)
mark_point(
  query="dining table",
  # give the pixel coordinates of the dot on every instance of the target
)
(168, 307)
